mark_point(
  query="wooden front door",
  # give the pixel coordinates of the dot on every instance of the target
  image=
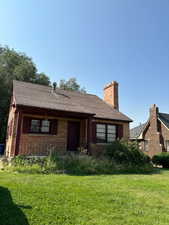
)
(73, 138)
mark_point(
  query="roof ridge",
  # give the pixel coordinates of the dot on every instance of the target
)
(49, 86)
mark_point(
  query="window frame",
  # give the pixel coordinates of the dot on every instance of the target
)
(40, 126)
(106, 132)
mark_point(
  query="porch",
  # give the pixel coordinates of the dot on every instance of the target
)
(68, 132)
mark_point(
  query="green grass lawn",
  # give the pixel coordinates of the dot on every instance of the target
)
(88, 200)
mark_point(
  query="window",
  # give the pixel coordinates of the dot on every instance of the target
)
(146, 145)
(111, 133)
(101, 132)
(35, 126)
(167, 145)
(106, 133)
(45, 126)
(40, 126)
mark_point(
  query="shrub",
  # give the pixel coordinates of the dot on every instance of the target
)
(78, 164)
(23, 160)
(126, 153)
(120, 157)
(161, 159)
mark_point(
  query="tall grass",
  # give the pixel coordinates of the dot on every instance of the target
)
(74, 164)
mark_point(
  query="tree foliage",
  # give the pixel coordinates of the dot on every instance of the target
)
(18, 66)
(71, 85)
(15, 66)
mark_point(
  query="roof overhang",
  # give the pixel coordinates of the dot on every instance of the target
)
(163, 123)
(52, 112)
(113, 119)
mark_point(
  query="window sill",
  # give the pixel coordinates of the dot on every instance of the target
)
(103, 143)
(29, 134)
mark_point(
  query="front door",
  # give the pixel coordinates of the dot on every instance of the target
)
(73, 136)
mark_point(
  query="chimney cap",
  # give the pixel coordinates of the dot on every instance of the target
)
(111, 84)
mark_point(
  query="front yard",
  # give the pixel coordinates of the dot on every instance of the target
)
(88, 200)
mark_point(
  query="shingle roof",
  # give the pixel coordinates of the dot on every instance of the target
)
(28, 94)
(164, 117)
(136, 131)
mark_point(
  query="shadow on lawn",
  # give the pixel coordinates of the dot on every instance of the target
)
(10, 213)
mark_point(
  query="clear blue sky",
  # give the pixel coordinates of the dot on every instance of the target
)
(97, 41)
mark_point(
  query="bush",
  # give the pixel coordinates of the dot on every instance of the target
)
(75, 164)
(126, 153)
(23, 160)
(161, 159)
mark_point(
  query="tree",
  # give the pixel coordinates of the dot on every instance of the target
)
(15, 66)
(18, 66)
(41, 78)
(71, 85)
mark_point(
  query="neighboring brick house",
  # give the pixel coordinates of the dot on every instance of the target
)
(153, 136)
(43, 118)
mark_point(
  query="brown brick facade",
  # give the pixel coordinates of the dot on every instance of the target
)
(42, 144)
(155, 134)
(99, 148)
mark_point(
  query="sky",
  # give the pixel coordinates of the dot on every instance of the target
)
(97, 41)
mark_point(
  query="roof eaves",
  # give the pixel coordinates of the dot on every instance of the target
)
(22, 105)
(163, 123)
(103, 118)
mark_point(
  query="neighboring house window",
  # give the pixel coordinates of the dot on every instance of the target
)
(146, 145)
(105, 133)
(40, 126)
(167, 145)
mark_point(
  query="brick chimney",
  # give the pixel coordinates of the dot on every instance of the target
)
(111, 94)
(153, 117)
(154, 135)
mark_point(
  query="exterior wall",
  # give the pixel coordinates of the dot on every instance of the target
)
(153, 137)
(11, 132)
(152, 134)
(156, 134)
(156, 141)
(98, 148)
(42, 144)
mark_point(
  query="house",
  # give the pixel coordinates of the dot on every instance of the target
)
(43, 118)
(153, 136)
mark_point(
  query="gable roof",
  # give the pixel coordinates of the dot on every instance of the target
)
(164, 117)
(34, 95)
(136, 131)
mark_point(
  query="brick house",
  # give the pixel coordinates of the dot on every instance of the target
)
(153, 136)
(43, 118)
